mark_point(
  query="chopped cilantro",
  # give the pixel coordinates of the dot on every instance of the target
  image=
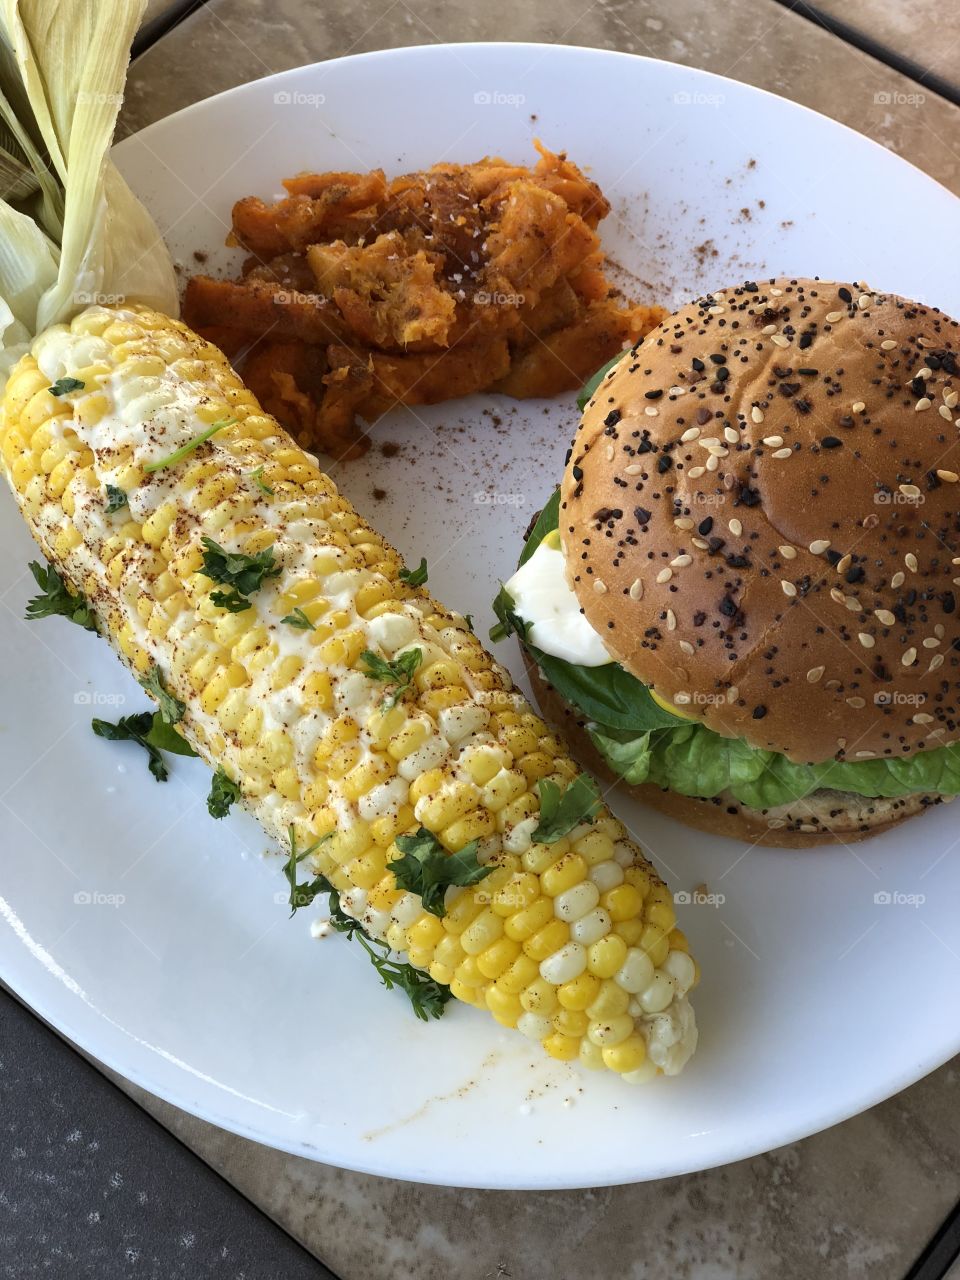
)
(428, 869)
(399, 672)
(562, 810)
(243, 574)
(415, 577)
(57, 599)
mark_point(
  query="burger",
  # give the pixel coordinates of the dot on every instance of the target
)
(741, 602)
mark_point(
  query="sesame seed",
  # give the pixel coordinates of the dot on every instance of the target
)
(756, 414)
(733, 693)
(735, 527)
(950, 399)
(731, 435)
(843, 564)
(833, 316)
(773, 441)
(910, 560)
(671, 620)
(936, 662)
(910, 657)
(768, 329)
(634, 469)
(788, 552)
(716, 311)
(898, 579)
(837, 596)
(788, 588)
(652, 411)
(865, 755)
(922, 718)
(696, 472)
(922, 373)
(779, 340)
(864, 301)
(909, 490)
(858, 406)
(866, 639)
(782, 453)
(719, 450)
(776, 293)
(852, 603)
(708, 441)
(857, 703)
(636, 589)
(700, 543)
(884, 616)
(664, 575)
(944, 412)
(608, 453)
(931, 642)
(686, 646)
(814, 674)
(948, 477)
(681, 561)
(691, 433)
(683, 522)
(888, 345)
(923, 403)
(599, 587)
(713, 462)
(819, 545)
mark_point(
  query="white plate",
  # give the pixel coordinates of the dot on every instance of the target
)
(816, 1000)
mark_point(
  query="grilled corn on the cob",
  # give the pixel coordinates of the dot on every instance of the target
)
(572, 942)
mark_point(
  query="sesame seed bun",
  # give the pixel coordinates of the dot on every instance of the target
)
(825, 817)
(795, 582)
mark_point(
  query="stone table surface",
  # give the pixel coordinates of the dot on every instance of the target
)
(861, 1199)
(925, 31)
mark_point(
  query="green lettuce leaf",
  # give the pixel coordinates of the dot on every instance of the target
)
(643, 743)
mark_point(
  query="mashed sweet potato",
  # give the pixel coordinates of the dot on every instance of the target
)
(358, 293)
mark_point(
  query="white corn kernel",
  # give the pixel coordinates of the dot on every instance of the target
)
(592, 927)
(534, 1025)
(576, 902)
(606, 875)
(681, 969)
(637, 971)
(564, 965)
(658, 995)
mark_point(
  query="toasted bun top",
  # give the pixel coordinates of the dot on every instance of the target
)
(761, 516)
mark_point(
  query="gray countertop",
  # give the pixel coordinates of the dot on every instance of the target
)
(860, 1200)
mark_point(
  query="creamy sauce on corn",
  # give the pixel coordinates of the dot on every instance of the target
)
(143, 417)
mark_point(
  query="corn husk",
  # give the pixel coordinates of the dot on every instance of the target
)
(71, 230)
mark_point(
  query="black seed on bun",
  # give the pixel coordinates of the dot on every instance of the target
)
(761, 517)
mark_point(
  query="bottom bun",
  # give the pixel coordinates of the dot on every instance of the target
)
(824, 817)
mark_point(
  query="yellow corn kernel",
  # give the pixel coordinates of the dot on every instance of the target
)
(425, 933)
(523, 924)
(661, 915)
(482, 931)
(629, 1055)
(611, 1001)
(539, 997)
(547, 940)
(496, 959)
(656, 944)
(563, 875)
(605, 957)
(475, 825)
(631, 931)
(515, 894)
(367, 871)
(463, 911)
(623, 902)
(540, 856)
(571, 1022)
(364, 776)
(449, 951)
(503, 787)
(580, 992)
(427, 784)
(519, 975)
(469, 974)
(454, 801)
(503, 1003)
(318, 691)
(562, 1047)
(595, 847)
